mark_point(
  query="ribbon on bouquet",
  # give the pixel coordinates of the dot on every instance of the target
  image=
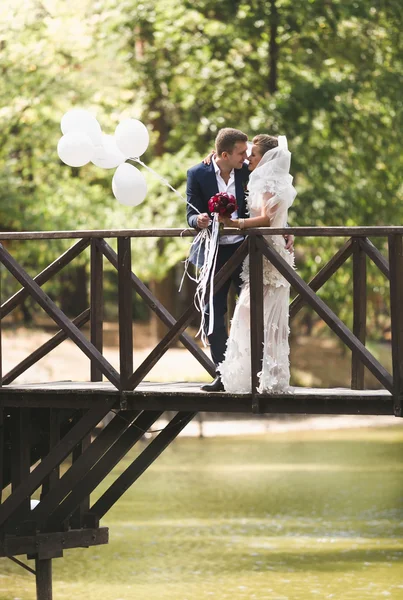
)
(205, 275)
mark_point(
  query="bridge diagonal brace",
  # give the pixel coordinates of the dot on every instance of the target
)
(161, 312)
(183, 321)
(377, 258)
(55, 457)
(43, 350)
(22, 565)
(323, 275)
(55, 267)
(95, 476)
(58, 316)
(141, 463)
(81, 467)
(341, 330)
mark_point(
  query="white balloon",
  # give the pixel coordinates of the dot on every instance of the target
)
(75, 149)
(132, 137)
(82, 121)
(128, 185)
(108, 156)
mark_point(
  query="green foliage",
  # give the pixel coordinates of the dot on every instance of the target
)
(329, 75)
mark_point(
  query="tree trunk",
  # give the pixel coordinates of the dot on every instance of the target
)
(273, 47)
(74, 296)
(166, 292)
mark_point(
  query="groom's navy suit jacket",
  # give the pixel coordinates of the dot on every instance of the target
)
(201, 185)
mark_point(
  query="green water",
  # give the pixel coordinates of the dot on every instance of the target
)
(283, 516)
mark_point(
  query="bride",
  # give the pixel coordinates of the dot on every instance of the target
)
(271, 193)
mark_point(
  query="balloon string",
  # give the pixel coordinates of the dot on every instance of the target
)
(165, 182)
(205, 275)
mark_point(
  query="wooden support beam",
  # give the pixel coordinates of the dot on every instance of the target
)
(141, 463)
(359, 313)
(306, 401)
(161, 312)
(58, 316)
(77, 518)
(374, 231)
(82, 466)
(43, 576)
(53, 437)
(96, 305)
(2, 441)
(327, 315)
(396, 313)
(125, 312)
(20, 457)
(46, 545)
(183, 321)
(1, 345)
(66, 445)
(256, 317)
(93, 478)
(323, 275)
(21, 564)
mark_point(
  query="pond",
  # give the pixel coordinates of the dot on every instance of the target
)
(284, 516)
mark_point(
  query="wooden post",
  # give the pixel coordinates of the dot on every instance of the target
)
(256, 317)
(125, 311)
(78, 516)
(1, 351)
(20, 456)
(1, 452)
(396, 314)
(359, 312)
(43, 576)
(96, 305)
(53, 427)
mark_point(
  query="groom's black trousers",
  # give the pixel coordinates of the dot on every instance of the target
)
(218, 339)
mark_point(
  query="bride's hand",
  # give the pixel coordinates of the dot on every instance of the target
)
(227, 221)
(289, 242)
(208, 158)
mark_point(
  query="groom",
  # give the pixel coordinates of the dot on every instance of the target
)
(228, 173)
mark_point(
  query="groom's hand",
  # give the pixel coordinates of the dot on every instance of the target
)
(289, 242)
(203, 221)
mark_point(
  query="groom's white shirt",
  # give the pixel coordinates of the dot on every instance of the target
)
(229, 189)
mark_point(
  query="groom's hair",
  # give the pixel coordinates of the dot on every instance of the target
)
(227, 138)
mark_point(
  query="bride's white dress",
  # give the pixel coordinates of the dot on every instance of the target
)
(236, 369)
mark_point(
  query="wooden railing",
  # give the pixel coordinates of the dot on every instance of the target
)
(34, 443)
(358, 245)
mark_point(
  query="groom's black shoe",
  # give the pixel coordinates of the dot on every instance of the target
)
(215, 386)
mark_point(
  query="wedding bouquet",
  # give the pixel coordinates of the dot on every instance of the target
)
(222, 203)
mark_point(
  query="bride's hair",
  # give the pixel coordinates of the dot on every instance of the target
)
(265, 142)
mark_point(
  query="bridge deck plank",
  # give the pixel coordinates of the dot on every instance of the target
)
(188, 396)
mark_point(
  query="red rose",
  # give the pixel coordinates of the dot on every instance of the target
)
(222, 203)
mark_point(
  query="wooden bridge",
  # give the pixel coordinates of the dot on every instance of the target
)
(43, 424)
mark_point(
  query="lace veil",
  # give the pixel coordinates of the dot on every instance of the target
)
(273, 175)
